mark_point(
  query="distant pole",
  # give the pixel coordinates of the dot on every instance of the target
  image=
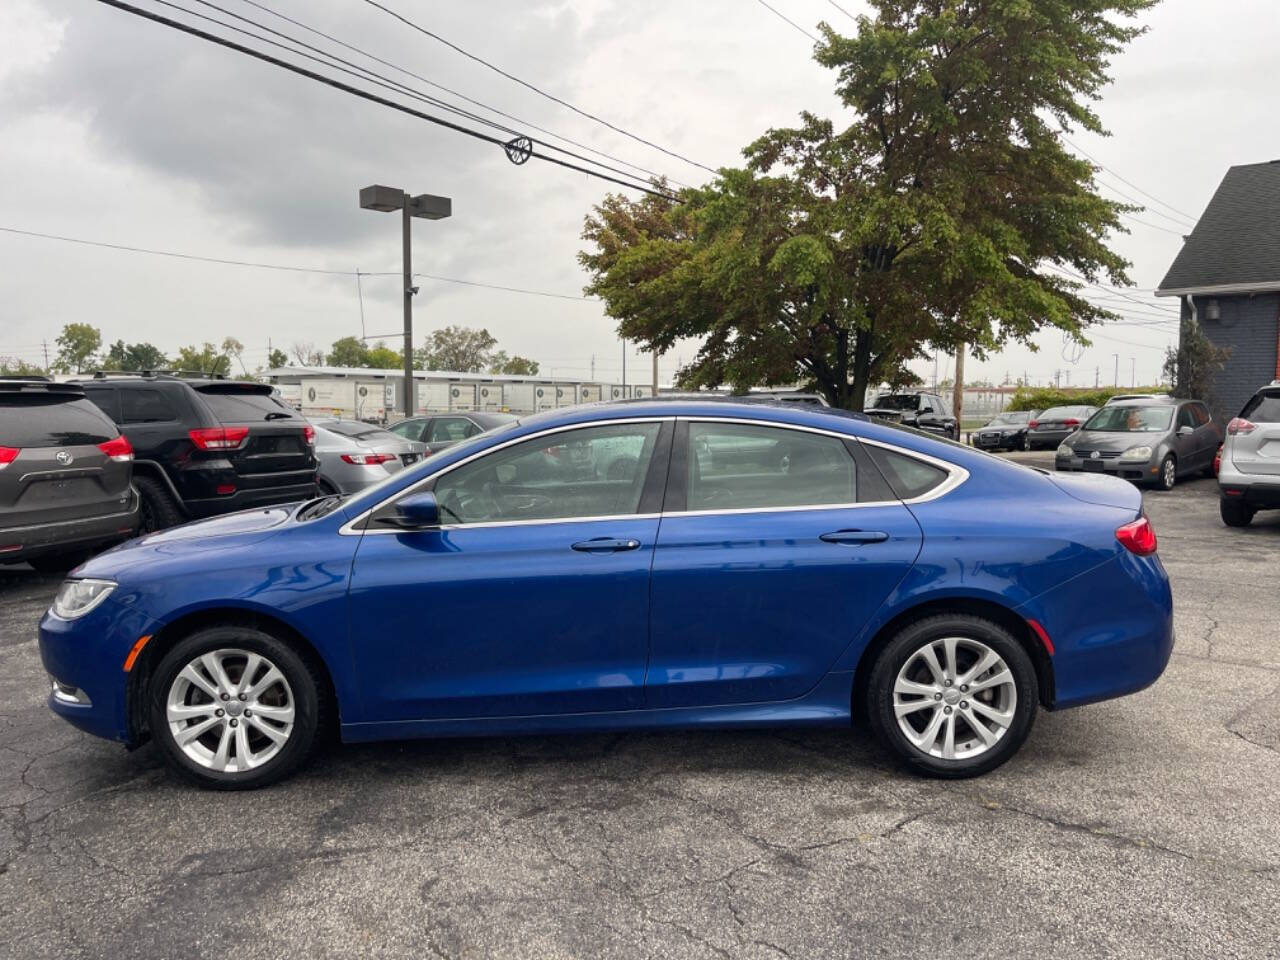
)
(1117, 380)
(406, 219)
(1133, 371)
(655, 372)
(45, 344)
(1097, 372)
(957, 396)
(624, 366)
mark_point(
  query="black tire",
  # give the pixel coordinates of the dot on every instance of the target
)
(1168, 477)
(1234, 513)
(157, 509)
(896, 654)
(305, 686)
(324, 488)
(53, 563)
(1026, 444)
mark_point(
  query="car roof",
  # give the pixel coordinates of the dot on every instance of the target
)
(1147, 401)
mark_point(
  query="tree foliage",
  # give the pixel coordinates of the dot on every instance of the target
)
(383, 357)
(77, 344)
(349, 352)
(134, 356)
(460, 349)
(1191, 368)
(277, 358)
(206, 359)
(516, 366)
(306, 354)
(15, 367)
(1042, 398)
(928, 221)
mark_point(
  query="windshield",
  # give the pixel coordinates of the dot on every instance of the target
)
(897, 401)
(1010, 418)
(1131, 419)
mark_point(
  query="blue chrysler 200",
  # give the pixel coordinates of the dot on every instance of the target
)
(642, 565)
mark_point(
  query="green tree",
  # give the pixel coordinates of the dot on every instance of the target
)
(134, 356)
(460, 349)
(500, 363)
(384, 358)
(277, 358)
(231, 347)
(205, 358)
(14, 367)
(77, 344)
(349, 352)
(929, 221)
(1192, 366)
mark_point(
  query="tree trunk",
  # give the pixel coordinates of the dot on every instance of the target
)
(957, 397)
(861, 370)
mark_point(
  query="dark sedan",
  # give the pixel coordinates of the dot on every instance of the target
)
(1005, 431)
(1055, 425)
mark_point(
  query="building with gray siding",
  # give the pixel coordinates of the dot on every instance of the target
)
(1227, 277)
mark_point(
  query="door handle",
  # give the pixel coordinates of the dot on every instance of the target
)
(855, 536)
(605, 545)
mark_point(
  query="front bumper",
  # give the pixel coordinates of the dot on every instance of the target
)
(996, 441)
(88, 655)
(1136, 470)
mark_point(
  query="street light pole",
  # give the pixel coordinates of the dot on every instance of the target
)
(1117, 380)
(428, 207)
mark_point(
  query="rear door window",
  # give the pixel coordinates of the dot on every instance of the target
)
(909, 477)
(237, 403)
(734, 466)
(1201, 414)
(1264, 408)
(146, 406)
(52, 420)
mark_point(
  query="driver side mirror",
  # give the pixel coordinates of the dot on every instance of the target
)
(1185, 431)
(418, 511)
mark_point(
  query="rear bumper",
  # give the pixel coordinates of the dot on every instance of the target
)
(199, 509)
(1118, 642)
(1262, 493)
(20, 543)
(1048, 438)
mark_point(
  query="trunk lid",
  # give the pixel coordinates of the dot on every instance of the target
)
(276, 450)
(1258, 451)
(1099, 489)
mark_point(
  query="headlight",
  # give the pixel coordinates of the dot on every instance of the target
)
(1065, 451)
(1136, 453)
(77, 597)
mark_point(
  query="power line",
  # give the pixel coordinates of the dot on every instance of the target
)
(1153, 226)
(364, 94)
(783, 17)
(1127, 182)
(1146, 208)
(454, 93)
(842, 9)
(524, 83)
(292, 269)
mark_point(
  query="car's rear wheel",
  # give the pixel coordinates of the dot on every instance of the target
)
(1026, 443)
(1168, 472)
(157, 508)
(1234, 513)
(233, 708)
(953, 695)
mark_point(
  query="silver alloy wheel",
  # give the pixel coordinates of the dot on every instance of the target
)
(1169, 474)
(950, 679)
(230, 710)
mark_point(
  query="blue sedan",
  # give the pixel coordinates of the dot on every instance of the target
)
(620, 567)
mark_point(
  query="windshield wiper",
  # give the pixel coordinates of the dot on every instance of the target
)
(274, 415)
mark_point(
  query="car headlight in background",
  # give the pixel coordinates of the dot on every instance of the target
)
(1065, 451)
(77, 597)
(1136, 453)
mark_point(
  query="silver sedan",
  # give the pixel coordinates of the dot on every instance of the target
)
(355, 455)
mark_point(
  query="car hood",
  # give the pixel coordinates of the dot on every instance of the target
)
(1100, 489)
(885, 413)
(1117, 442)
(227, 532)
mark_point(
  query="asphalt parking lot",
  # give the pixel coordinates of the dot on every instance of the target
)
(1143, 827)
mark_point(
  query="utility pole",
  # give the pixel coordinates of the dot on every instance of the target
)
(1117, 380)
(593, 366)
(1097, 373)
(428, 207)
(957, 395)
(624, 366)
(655, 372)
(1133, 371)
(45, 344)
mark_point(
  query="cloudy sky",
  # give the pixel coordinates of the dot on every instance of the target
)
(115, 129)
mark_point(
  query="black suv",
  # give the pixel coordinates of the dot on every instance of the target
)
(924, 411)
(65, 476)
(207, 446)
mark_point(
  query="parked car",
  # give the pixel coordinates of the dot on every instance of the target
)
(65, 476)
(1004, 431)
(1054, 425)
(207, 446)
(1146, 441)
(1249, 475)
(924, 411)
(1121, 397)
(840, 569)
(354, 455)
(444, 430)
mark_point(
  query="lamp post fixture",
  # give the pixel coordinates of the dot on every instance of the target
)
(428, 207)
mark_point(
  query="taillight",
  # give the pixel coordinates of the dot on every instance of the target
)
(219, 438)
(367, 459)
(1217, 461)
(1071, 422)
(8, 455)
(309, 434)
(1240, 425)
(119, 449)
(1138, 537)
(1033, 424)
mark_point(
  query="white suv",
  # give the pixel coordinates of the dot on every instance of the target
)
(1249, 479)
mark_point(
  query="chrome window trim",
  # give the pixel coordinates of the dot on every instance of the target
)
(956, 475)
(348, 528)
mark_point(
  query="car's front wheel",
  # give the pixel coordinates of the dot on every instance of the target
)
(953, 695)
(1234, 513)
(233, 708)
(1168, 473)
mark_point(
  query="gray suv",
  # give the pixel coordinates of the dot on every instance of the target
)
(66, 476)
(1154, 440)
(1249, 478)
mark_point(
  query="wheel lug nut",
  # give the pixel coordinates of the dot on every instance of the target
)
(937, 696)
(964, 704)
(219, 713)
(243, 697)
(248, 713)
(944, 710)
(964, 688)
(226, 696)
(946, 683)
(234, 723)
